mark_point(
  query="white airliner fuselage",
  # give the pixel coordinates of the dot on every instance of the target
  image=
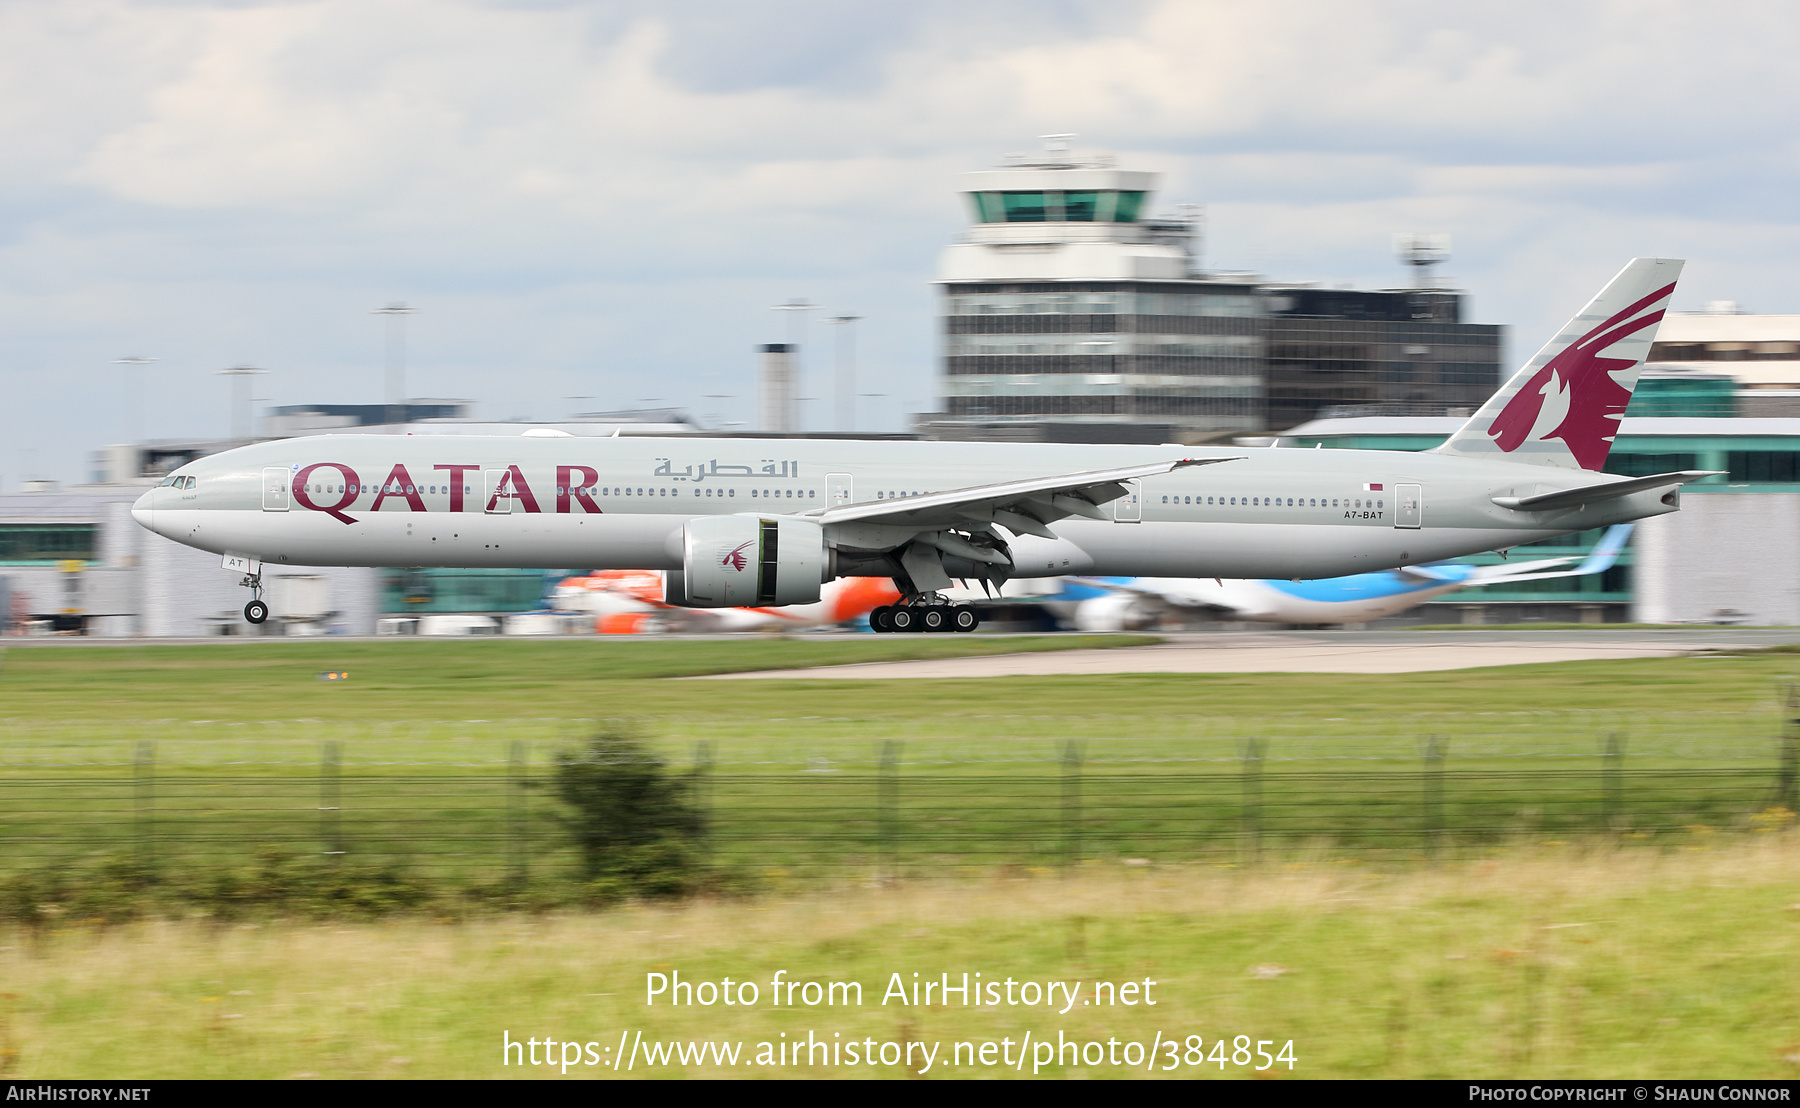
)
(1262, 513)
(736, 527)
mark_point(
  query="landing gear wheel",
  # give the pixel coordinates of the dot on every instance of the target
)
(903, 619)
(964, 619)
(881, 619)
(256, 611)
(933, 619)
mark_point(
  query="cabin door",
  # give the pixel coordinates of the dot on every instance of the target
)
(1409, 506)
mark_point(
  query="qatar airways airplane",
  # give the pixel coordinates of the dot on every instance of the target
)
(735, 527)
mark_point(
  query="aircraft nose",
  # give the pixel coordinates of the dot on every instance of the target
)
(142, 512)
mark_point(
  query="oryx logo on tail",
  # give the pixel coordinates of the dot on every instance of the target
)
(1575, 397)
(1563, 408)
(736, 559)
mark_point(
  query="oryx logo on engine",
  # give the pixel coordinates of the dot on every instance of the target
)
(736, 559)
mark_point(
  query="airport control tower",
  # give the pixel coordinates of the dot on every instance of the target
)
(1070, 315)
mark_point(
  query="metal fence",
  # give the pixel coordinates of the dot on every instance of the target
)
(888, 813)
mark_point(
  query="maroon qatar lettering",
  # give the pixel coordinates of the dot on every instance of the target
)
(456, 483)
(399, 484)
(513, 486)
(346, 494)
(567, 488)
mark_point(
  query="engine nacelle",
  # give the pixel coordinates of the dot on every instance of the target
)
(748, 562)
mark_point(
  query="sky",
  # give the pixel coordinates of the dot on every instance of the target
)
(596, 205)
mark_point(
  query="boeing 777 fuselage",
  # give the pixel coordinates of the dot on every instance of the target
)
(764, 521)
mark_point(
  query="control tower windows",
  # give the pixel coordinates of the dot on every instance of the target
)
(1052, 206)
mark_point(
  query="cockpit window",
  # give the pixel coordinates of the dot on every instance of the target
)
(189, 484)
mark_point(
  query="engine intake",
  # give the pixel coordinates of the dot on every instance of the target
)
(748, 561)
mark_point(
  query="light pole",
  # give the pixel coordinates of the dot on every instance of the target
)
(240, 399)
(135, 433)
(846, 371)
(396, 359)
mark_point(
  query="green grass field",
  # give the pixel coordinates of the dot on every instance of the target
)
(431, 739)
(1579, 915)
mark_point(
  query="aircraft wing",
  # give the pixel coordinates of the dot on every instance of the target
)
(1024, 506)
(936, 537)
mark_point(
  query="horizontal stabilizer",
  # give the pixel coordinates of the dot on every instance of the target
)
(1594, 494)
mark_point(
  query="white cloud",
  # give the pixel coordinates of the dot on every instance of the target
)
(614, 193)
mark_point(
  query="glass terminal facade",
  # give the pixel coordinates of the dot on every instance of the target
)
(1335, 352)
(1126, 350)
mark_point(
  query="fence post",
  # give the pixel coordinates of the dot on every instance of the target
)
(887, 802)
(1612, 783)
(702, 793)
(1251, 838)
(144, 794)
(1787, 782)
(331, 843)
(1434, 796)
(1071, 802)
(516, 861)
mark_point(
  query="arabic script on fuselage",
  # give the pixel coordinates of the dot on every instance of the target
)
(700, 471)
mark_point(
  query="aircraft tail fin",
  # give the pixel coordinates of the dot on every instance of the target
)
(1563, 408)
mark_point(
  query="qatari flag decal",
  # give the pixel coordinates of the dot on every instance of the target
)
(1371, 488)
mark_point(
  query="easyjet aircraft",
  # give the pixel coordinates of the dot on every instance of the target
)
(747, 522)
(630, 601)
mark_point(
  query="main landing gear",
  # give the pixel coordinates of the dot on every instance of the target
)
(924, 613)
(258, 609)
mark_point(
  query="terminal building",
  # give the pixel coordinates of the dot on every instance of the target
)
(1069, 313)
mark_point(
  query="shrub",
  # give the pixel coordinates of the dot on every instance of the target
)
(632, 819)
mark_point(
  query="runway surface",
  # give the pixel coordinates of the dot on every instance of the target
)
(1302, 652)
